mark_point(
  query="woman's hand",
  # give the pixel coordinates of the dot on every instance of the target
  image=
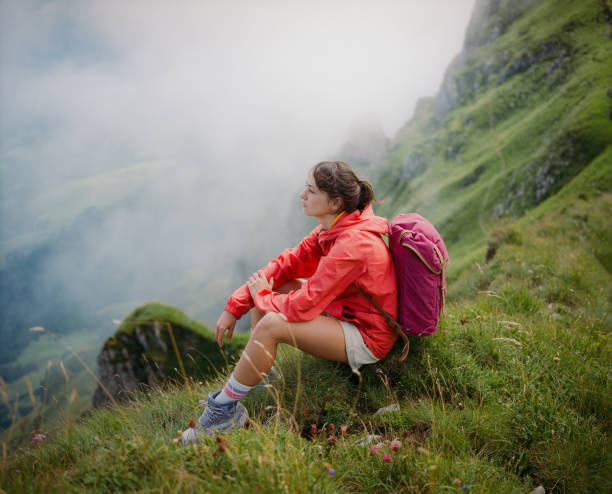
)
(226, 322)
(258, 282)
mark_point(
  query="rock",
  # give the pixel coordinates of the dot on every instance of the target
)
(538, 490)
(142, 355)
(391, 408)
(369, 439)
(414, 164)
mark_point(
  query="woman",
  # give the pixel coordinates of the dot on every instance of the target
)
(326, 314)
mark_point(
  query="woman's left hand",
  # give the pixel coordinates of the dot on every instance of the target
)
(258, 282)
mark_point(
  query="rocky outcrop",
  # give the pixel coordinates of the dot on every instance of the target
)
(149, 351)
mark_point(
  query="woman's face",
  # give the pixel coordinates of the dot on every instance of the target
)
(316, 202)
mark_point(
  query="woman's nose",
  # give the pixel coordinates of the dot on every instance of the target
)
(303, 194)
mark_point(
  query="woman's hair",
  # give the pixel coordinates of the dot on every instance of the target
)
(338, 179)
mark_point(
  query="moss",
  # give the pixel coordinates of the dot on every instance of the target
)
(198, 352)
(155, 311)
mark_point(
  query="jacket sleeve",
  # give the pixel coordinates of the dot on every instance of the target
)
(336, 271)
(298, 262)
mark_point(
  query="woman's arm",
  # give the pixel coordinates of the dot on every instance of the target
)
(343, 265)
(226, 322)
(298, 262)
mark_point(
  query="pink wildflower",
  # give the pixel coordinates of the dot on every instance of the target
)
(343, 429)
(457, 481)
(375, 449)
(38, 438)
(331, 439)
(387, 459)
(395, 445)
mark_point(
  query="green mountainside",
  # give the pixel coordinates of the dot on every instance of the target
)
(516, 119)
(512, 161)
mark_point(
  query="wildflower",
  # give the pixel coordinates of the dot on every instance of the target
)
(175, 440)
(405, 434)
(464, 488)
(313, 429)
(343, 429)
(332, 428)
(222, 445)
(38, 438)
(395, 445)
(192, 423)
(387, 459)
(331, 471)
(375, 449)
(557, 359)
(331, 439)
(457, 481)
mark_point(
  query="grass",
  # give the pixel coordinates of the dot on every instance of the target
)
(514, 389)
(512, 392)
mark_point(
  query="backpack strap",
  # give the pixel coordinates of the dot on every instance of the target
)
(443, 264)
(390, 321)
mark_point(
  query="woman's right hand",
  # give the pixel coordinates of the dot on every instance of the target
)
(226, 322)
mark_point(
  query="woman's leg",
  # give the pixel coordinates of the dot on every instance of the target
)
(322, 337)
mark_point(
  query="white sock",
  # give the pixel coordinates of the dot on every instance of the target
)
(232, 391)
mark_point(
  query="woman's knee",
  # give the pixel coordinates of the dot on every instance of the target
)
(268, 326)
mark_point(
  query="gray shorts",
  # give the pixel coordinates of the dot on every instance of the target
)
(357, 351)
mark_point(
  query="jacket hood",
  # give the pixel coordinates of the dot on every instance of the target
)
(365, 221)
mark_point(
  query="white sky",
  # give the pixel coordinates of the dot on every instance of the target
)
(241, 80)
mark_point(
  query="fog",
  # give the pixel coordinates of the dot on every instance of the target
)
(199, 121)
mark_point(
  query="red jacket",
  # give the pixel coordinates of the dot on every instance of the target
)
(351, 251)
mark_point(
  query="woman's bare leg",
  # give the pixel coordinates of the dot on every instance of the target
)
(322, 337)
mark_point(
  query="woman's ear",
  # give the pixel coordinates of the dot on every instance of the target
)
(336, 204)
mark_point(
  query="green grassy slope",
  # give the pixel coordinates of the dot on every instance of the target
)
(515, 120)
(511, 393)
(514, 389)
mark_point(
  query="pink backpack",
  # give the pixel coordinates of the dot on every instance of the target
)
(420, 259)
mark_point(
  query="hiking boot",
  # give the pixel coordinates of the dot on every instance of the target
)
(272, 376)
(216, 418)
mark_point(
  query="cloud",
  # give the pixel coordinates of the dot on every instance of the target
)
(239, 98)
